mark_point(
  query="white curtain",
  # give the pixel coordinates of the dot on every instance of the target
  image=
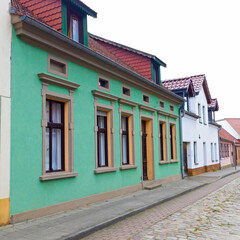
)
(124, 140)
(56, 149)
(47, 150)
(56, 112)
(102, 147)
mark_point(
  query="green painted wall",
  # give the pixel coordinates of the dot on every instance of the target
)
(27, 191)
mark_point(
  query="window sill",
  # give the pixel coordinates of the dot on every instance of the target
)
(125, 167)
(162, 162)
(196, 163)
(57, 175)
(105, 170)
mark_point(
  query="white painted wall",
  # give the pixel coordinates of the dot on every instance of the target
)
(5, 97)
(194, 131)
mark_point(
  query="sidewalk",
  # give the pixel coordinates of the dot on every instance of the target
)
(82, 221)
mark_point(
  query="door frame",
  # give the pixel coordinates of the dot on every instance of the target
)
(149, 147)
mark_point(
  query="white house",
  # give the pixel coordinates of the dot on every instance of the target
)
(200, 132)
(5, 106)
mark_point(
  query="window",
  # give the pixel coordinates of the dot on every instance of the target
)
(102, 139)
(173, 142)
(195, 152)
(125, 140)
(104, 84)
(54, 136)
(127, 134)
(171, 108)
(161, 104)
(57, 66)
(156, 74)
(162, 141)
(204, 115)
(146, 99)
(126, 91)
(57, 129)
(104, 133)
(215, 149)
(212, 152)
(199, 113)
(75, 26)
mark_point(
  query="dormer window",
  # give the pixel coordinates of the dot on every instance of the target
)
(74, 20)
(156, 74)
(75, 27)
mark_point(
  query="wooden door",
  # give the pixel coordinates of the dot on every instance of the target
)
(144, 150)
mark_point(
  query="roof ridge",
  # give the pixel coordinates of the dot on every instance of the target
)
(181, 78)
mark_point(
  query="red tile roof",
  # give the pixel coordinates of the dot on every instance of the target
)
(45, 11)
(198, 81)
(133, 59)
(224, 134)
(49, 13)
(235, 123)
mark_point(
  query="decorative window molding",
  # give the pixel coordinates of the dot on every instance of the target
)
(161, 104)
(104, 83)
(57, 66)
(130, 116)
(68, 125)
(48, 79)
(167, 114)
(126, 91)
(110, 132)
(146, 98)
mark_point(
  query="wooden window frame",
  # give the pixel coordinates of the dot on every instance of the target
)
(173, 141)
(68, 101)
(131, 133)
(70, 15)
(108, 88)
(105, 131)
(110, 131)
(156, 71)
(163, 148)
(60, 126)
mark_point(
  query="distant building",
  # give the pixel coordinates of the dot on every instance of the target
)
(200, 132)
(230, 141)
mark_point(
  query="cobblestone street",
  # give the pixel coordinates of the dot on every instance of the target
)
(201, 214)
(213, 217)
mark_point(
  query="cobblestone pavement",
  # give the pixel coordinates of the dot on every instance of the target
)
(217, 216)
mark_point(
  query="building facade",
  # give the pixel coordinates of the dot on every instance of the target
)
(86, 123)
(5, 107)
(230, 141)
(200, 132)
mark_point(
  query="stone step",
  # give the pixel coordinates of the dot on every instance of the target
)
(152, 186)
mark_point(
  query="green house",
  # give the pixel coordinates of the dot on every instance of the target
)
(89, 117)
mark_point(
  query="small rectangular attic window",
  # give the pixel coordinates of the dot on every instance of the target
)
(104, 84)
(146, 99)
(57, 66)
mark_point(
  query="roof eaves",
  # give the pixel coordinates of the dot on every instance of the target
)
(83, 7)
(64, 38)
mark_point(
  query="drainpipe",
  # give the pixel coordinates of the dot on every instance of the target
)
(181, 115)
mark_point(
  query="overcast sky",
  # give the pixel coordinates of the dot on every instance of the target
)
(191, 36)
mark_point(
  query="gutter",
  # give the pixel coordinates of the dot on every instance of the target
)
(69, 41)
